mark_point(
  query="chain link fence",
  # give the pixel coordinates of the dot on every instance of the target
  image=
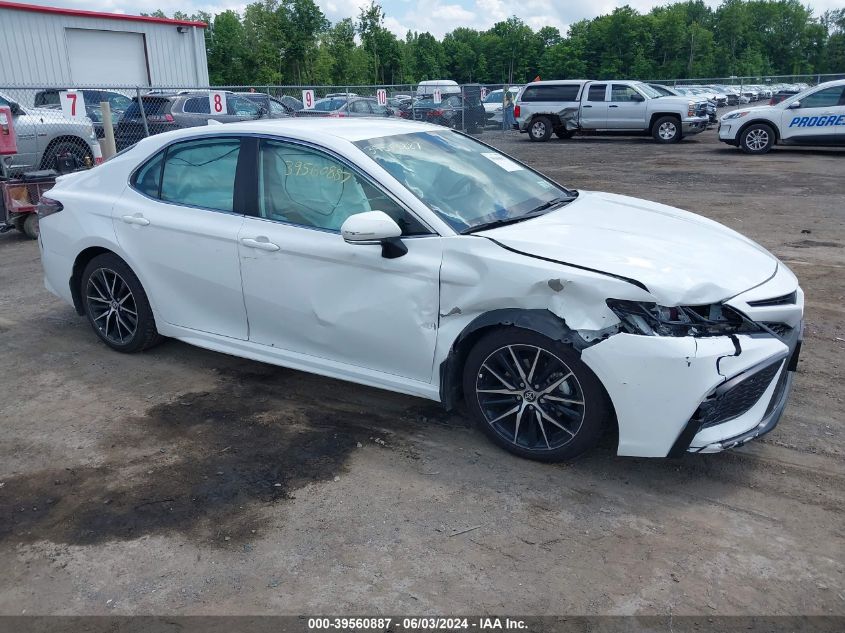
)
(55, 130)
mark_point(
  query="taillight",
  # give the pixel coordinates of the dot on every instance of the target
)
(160, 118)
(516, 111)
(47, 206)
(437, 112)
(337, 115)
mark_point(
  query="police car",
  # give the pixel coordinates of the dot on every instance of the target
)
(815, 116)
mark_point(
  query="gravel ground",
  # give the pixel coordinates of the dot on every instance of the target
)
(182, 481)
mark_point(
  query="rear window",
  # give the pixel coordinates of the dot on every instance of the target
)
(551, 93)
(152, 106)
(197, 105)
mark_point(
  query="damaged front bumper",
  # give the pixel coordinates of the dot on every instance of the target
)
(686, 394)
(693, 125)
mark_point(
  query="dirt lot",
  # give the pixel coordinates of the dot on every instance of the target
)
(182, 481)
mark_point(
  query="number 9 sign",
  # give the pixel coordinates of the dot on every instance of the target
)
(307, 99)
(217, 102)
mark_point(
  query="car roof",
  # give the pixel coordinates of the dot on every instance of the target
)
(319, 129)
(557, 82)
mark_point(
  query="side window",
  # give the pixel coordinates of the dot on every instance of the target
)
(277, 108)
(302, 186)
(621, 92)
(359, 107)
(238, 106)
(49, 98)
(826, 98)
(201, 173)
(597, 92)
(377, 109)
(148, 179)
(197, 105)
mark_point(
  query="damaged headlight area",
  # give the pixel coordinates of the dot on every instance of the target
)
(651, 319)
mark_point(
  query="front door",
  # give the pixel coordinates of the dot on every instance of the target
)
(594, 108)
(178, 225)
(627, 108)
(309, 292)
(818, 119)
(25, 138)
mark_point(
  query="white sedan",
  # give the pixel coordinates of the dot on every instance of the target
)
(416, 259)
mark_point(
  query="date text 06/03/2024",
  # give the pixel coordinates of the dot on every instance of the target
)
(429, 623)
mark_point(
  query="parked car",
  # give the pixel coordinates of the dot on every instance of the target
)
(416, 259)
(44, 133)
(275, 108)
(813, 117)
(92, 98)
(453, 111)
(571, 106)
(494, 105)
(170, 111)
(341, 107)
(782, 94)
(445, 86)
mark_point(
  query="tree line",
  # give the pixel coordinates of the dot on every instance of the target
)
(277, 42)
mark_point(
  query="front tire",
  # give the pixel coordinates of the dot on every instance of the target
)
(540, 129)
(757, 139)
(533, 396)
(666, 129)
(77, 148)
(117, 306)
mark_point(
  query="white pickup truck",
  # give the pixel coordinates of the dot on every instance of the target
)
(567, 107)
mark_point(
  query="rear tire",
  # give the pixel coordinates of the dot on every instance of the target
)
(757, 139)
(117, 306)
(540, 129)
(29, 227)
(77, 148)
(549, 407)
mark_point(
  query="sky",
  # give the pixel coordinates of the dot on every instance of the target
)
(435, 16)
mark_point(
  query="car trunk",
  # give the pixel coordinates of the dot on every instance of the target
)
(130, 129)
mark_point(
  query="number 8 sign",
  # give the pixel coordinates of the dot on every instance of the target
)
(217, 102)
(308, 99)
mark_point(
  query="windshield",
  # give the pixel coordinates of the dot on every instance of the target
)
(648, 91)
(465, 182)
(495, 96)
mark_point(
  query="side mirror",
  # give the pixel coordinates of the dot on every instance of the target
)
(637, 97)
(374, 227)
(794, 105)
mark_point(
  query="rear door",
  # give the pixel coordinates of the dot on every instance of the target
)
(627, 108)
(178, 224)
(594, 107)
(818, 119)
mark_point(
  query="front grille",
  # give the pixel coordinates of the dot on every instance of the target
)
(784, 300)
(736, 399)
(781, 329)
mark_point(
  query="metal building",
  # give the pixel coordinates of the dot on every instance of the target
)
(51, 46)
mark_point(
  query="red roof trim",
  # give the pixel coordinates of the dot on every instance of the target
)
(96, 14)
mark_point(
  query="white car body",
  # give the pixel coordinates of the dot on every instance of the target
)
(494, 108)
(322, 305)
(797, 120)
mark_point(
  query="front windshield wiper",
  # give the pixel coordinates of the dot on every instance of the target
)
(533, 213)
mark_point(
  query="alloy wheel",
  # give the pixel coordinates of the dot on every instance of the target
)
(667, 131)
(530, 397)
(757, 139)
(538, 129)
(112, 306)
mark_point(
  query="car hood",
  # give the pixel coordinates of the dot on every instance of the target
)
(752, 110)
(681, 258)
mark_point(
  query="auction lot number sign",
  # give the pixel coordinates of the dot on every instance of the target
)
(73, 104)
(307, 99)
(217, 102)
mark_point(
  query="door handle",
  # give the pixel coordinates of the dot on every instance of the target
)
(136, 219)
(587, 106)
(613, 106)
(262, 244)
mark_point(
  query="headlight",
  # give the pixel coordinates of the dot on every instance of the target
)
(735, 115)
(650, 319)
(691, 108)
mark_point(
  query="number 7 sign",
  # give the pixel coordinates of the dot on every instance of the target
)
(73, 104)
